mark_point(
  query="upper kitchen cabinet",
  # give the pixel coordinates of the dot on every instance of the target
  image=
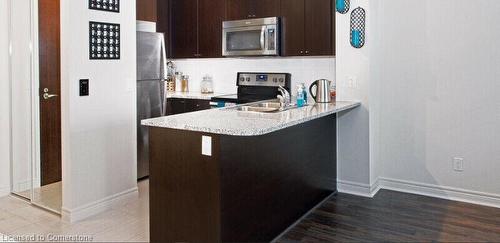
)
(211, 14)
(183, 28)
(308, 28)
(196, 28)
(146, 10)
(245, 9)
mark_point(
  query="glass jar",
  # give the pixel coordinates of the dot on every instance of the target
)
(333, 91)
(207, 85)
(178, 81)
(185, 83)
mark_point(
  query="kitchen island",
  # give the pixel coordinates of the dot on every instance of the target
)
(232, 176)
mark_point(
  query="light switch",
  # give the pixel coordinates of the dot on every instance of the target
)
(206, 145)
(84, 87)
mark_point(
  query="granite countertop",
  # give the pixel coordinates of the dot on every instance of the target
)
(230, 121)
(191, 95)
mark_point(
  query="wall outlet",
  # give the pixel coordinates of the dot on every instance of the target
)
(458, 164)
(206, 145)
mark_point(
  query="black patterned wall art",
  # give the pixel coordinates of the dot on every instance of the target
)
(342, 6)
(358, 24)
(105, 5)
(104, 41)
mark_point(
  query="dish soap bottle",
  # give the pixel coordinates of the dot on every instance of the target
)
(304, 90)
(300, 96)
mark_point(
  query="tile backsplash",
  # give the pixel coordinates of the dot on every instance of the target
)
(223, 70)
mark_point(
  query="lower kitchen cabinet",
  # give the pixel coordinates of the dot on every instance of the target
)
(179, 106)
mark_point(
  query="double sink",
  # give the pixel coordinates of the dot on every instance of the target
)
(266, 107)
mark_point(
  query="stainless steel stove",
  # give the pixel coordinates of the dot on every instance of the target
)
(253, 87)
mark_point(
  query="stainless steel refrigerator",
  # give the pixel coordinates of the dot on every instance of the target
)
(151, 73)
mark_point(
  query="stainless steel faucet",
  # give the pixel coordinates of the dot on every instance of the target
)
(284, 98)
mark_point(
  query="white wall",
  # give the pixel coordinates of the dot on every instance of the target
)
(4, 100)
(223, 70)
(355, 171)
(99, 131)
(435, 78)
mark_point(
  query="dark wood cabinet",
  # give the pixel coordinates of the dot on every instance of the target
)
(211, 14)
(179, 106)
(175, 106)
(319, 26)
(163, 20)
(146, 10)
(243, 9)
(308, 28)
(196, 105)
(196, 28)
(292, 27)
(250, 188)
(184, 28)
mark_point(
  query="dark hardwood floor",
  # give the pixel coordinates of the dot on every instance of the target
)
(397, 217)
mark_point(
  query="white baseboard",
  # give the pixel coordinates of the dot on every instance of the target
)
(93, 208)
(4, 191)
(359, 189)
(444, 192)
(450, 193)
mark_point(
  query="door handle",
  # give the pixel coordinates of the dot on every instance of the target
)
(46, 94)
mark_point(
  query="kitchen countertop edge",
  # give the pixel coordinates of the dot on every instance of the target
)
(170, 122)
(190, 95)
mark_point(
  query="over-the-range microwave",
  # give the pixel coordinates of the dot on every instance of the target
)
(251, 37)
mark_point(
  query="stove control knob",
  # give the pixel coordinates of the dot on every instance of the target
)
(275, 80)
(242, 79)
(281, 80)
(248, 79)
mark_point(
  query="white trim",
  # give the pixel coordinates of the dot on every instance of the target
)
(4, 191)
(93, 208)
(359, 189)
(445, 192)
(11, 153)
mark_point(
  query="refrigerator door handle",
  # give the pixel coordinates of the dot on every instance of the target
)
(163, 73)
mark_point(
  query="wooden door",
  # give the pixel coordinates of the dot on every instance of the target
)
(319, 17)
(184, 28)
(146, 10)
(50, 86)
(211, 14)
(293, 26)
(244, 9)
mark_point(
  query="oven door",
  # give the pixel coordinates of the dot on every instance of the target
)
(258, 40)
